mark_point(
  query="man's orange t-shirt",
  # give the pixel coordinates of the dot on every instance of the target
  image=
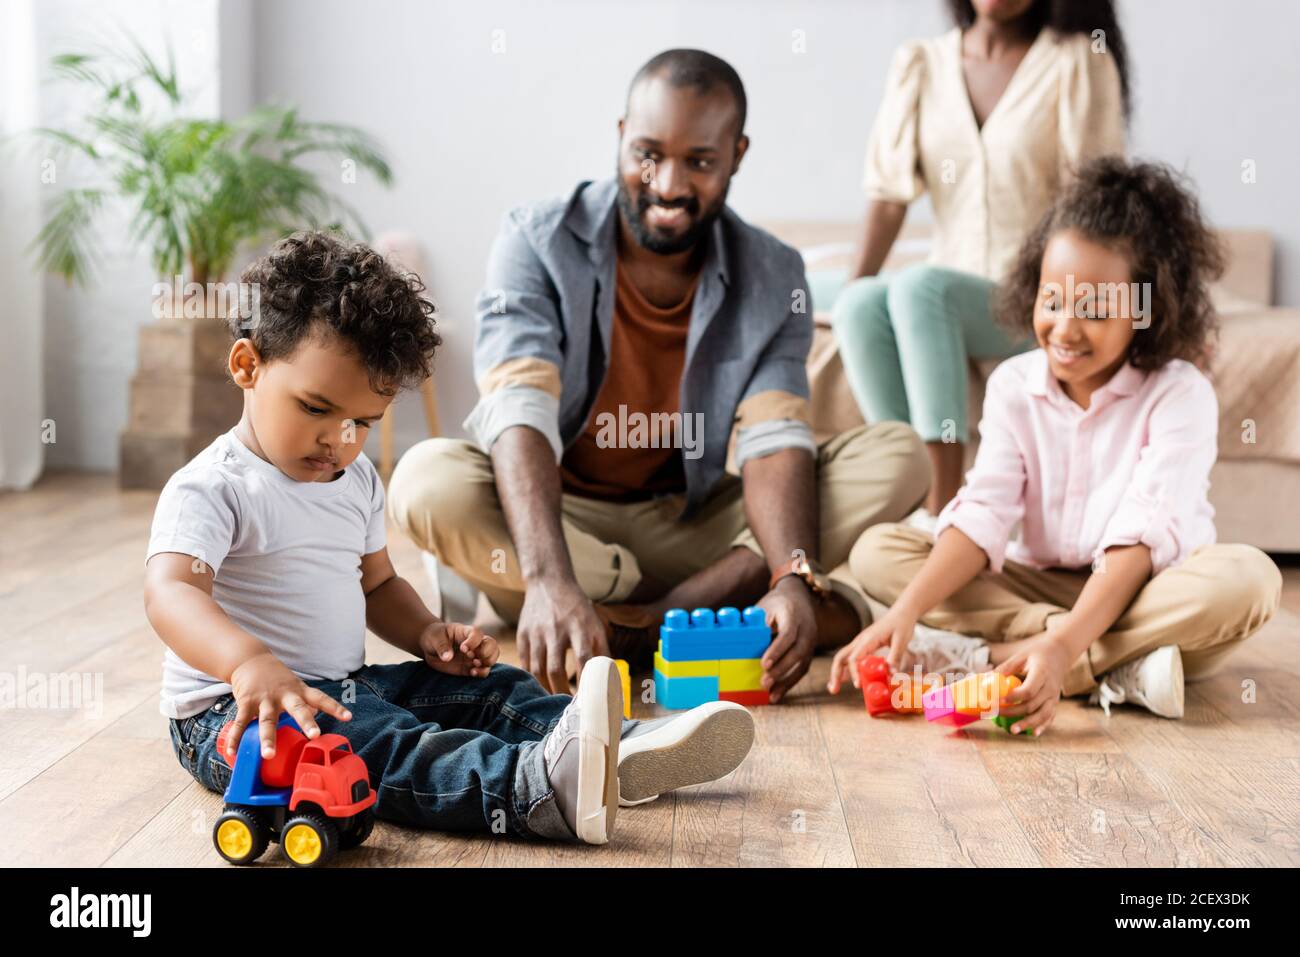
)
(643, 377)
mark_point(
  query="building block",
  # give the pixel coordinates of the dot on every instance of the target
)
(876, 695)
(707, 656)
(750, 699)
(886, 693)
(677, 693)
(704, 636)
(939, 708)
(969, 699)
(911, 692)
(979, 694)
(1005, 723)
(625, 677)
(740, 674)
(686, 669)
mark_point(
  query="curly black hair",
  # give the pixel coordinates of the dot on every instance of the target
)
(1067, 17)
(1150, 213)
(313, 282)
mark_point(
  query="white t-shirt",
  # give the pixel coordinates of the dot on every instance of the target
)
(285, 556)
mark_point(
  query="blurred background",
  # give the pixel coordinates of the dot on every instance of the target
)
(480, 106)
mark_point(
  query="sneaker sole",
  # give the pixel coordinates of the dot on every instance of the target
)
(687, 752)
(600, 696)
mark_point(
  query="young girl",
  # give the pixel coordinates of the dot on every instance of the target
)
(1100, 444)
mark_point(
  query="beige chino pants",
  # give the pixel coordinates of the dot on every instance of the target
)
(1219, 596)
(443, 496)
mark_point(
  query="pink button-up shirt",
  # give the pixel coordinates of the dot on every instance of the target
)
(1133, 467)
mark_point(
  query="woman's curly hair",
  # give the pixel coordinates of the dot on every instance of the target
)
(1148, 212)
(313, 282)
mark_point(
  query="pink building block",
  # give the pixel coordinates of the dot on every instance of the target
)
(939, 708)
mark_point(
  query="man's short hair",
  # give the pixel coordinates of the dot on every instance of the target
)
(699, 70)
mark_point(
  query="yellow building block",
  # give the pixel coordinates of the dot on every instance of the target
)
(740, 674)
(982, 693)
(685, 669)
(626, 678)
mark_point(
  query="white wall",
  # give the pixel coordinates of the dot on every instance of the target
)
(91, 332)
(472, 131)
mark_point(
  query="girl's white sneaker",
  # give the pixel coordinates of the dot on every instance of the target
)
(947, 653)
(1155, 681)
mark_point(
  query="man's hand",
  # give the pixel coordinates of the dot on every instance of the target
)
(557, 616)
(1044, 661)
(458, 649)
(793, 620)
(263, 688)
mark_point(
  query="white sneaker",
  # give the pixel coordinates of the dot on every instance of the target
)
(923, 520)
(946, 653)
(454, 599)
(581, 753)
(1154, 681)
(704, 744)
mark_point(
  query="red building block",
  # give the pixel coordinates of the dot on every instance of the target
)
(750, 699)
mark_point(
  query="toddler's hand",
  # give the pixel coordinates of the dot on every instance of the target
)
(264, 688)
(894, 629)
(458, 649)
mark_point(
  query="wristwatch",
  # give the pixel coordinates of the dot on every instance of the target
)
(802, 568)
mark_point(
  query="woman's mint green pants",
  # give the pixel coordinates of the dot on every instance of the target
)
(905, 338)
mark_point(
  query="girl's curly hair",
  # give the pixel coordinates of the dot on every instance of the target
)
(1148, 212)
(312, 282)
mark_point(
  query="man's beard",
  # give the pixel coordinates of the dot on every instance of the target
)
(634, 209)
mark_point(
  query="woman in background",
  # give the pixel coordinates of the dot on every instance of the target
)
(991, 119)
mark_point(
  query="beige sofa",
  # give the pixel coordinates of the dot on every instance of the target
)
(1255, 487)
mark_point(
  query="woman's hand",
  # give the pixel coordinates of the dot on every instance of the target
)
(458, 649)
(264, 687)
(1044, 661)
(894, 629)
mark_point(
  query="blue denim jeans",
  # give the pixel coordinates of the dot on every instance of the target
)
(443, 752)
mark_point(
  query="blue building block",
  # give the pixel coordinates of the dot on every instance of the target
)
(678, 693)
(704, 636)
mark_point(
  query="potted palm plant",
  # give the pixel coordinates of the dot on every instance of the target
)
(199, 192)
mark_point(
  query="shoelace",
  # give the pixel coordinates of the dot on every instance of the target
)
(565, 728)
(945, 652)
(1107, 694)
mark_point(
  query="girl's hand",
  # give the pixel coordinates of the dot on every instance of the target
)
(1044, 661)
(264, 687)
(894, 629)
(458, 649)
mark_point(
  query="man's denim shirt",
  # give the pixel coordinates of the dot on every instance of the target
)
(547, 311)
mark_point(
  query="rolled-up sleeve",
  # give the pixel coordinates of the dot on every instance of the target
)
(773, 413)
(893, 170)
(992, 501)
(1091, 120)
(517, 356)
(1172, 475)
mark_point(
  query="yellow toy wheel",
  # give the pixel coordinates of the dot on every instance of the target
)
(308, 840)
(239, 836)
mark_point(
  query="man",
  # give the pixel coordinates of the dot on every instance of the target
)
(625, 332)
